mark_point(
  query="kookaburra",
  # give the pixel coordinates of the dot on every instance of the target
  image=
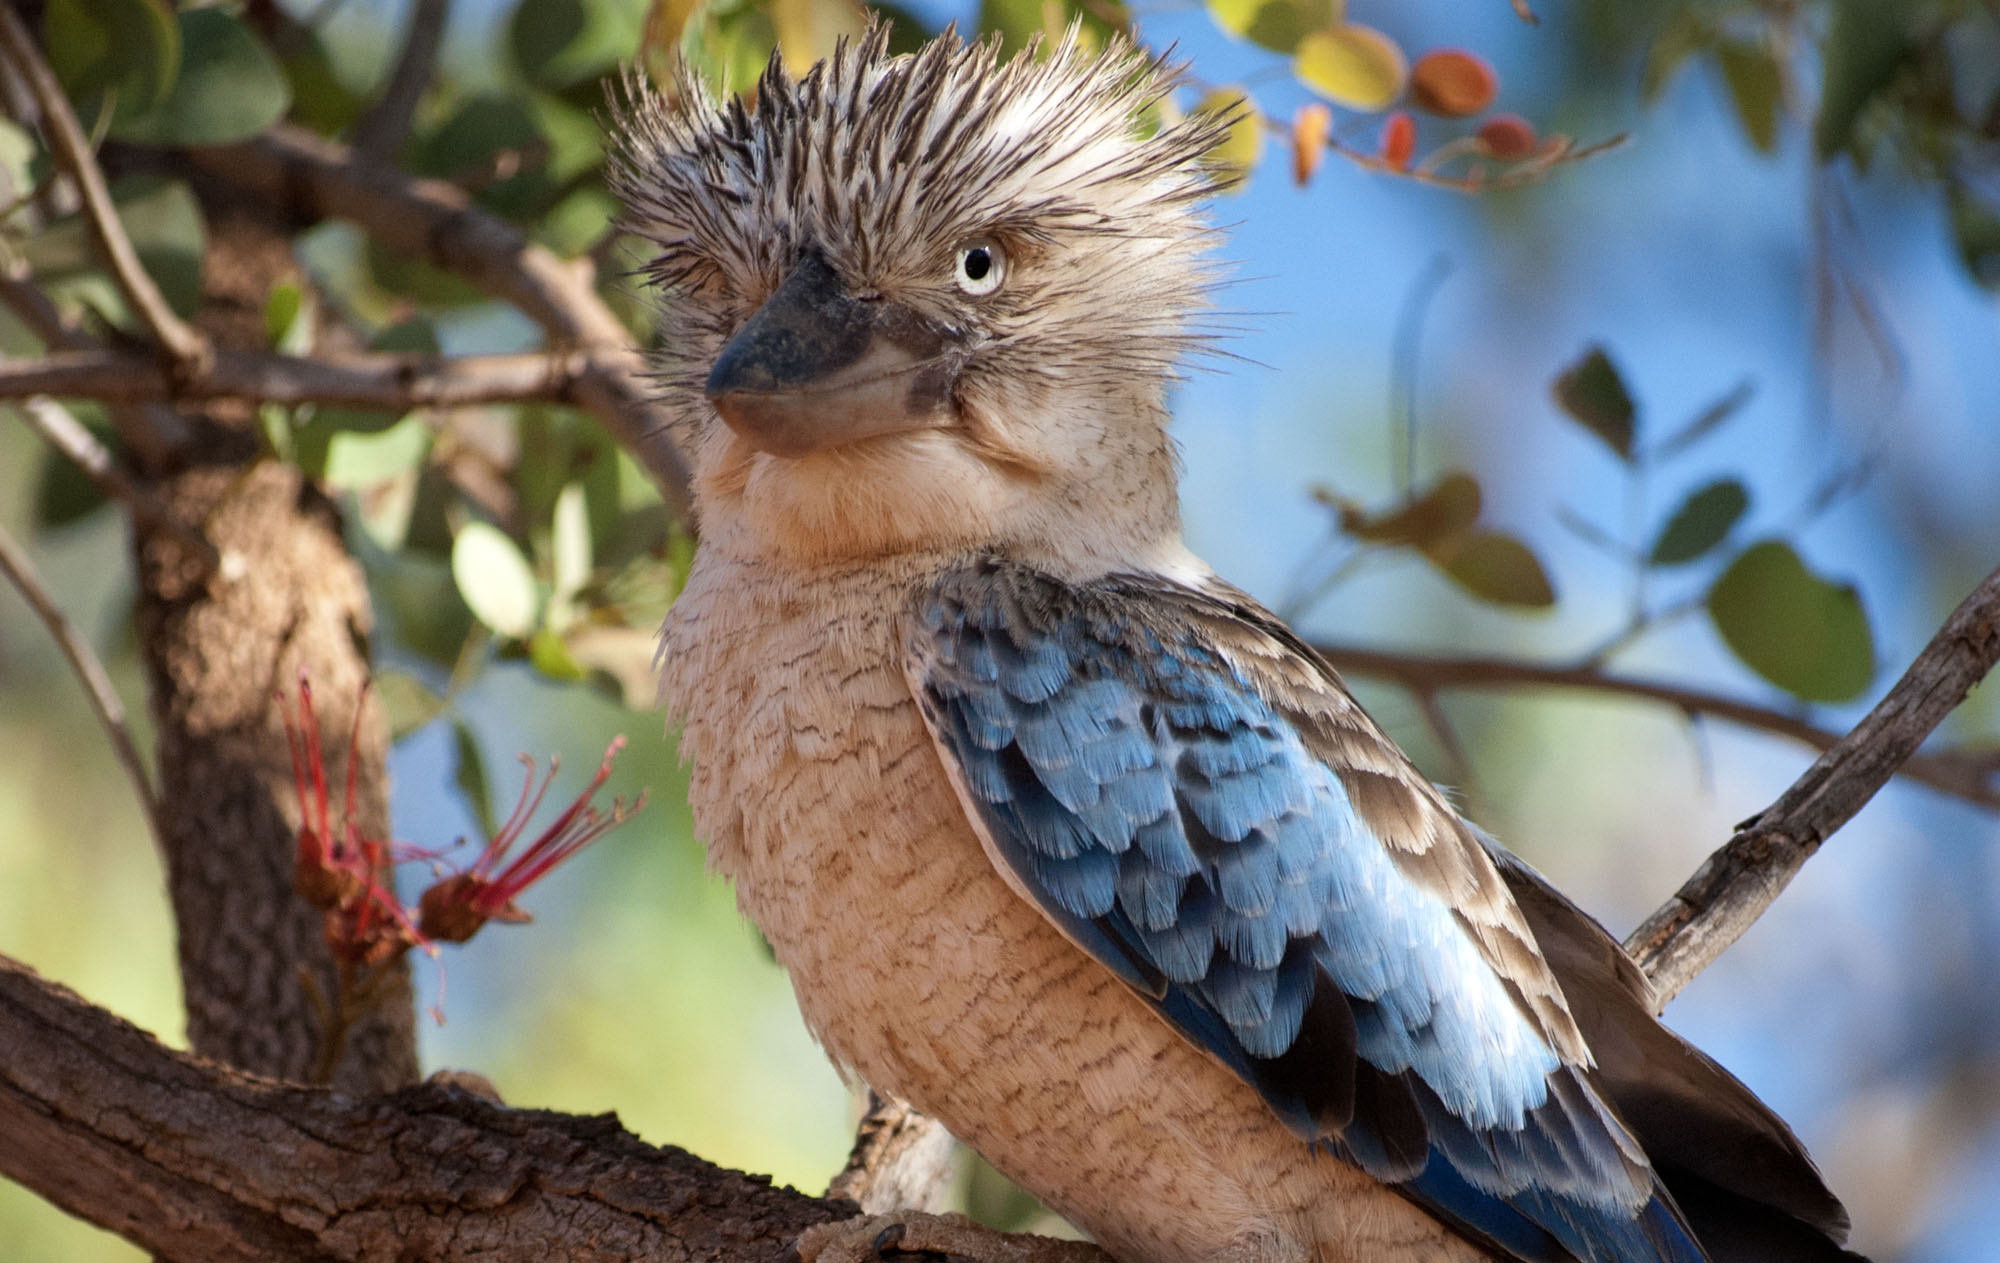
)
(1063, 839)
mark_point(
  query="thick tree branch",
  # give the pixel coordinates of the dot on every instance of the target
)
(431, 220)
(391, 382)
(200, 1163)
(70, 148)
(1962, 774)
(1733, 886)
(382, 130)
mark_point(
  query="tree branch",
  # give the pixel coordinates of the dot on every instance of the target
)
(70, 148)
(1734, 885)
(382, 130)
(1962, 774)
(198, 1162)
(394, 383)
(437, 222)
(20, 571)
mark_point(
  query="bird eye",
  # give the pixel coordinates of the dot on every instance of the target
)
(982, 265)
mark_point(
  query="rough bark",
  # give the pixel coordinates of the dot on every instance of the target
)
(197, 1162)
(218, 650)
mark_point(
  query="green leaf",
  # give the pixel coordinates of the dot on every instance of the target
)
(1751, 71)
(164, 222)
(1803, 633)
(549, 655)
(569, 542)
(63, 492)
(1592, 392)
(470, 776)
(1233, 159)
(408, 704)
(1975, 230)
(1278, 25)
(130, 49)
(1352, 65)
(357, 461)
(1498, 568)
(1686, 33)
(495, 580)
(321, 98)
(229, 88)
(288, 319)
(1702, 522)
(558, 44)
(1867, 45)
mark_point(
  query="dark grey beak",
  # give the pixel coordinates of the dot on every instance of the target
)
(816, 368)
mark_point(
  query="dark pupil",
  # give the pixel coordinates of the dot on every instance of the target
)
(978, 263)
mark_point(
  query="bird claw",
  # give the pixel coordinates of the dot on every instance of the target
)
(911, 1237)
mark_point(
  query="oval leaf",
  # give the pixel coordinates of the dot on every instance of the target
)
(1804, 634)
(1278, 25)
(1703, 521)
(1751, 71)
(1233, 159)
(1352, 65)
(1592, 392)
(230, 87)
(129, 48)
(495, 580)
(1431, 521)
(1453, 83)
(1498, 568)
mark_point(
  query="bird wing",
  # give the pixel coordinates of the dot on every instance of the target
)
(1190, 796)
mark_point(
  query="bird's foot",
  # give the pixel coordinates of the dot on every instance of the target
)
(910, 1237)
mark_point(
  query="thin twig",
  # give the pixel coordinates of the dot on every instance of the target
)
(1962, 774)
(67, 435)
(71, 150)
(1734, 885)
(20, 572)
(382, 130)
(385, 381)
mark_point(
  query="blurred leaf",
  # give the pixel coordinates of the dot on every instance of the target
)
(1975, 230)
(809, 29)
(414, 336)
(288, 319)
(557, 44)
(1706, 422)
(569, 543)
(1508, 137)
(1429, 521)
(1453, 83)
(357, 461)
(495, 580)
(1019, 21)
(63, 492)
(1687, 32)
(495, 146)
(548, 655)
(1498, 568)
(321, 99)
(1398, 143)
(1702, 522)
(1751, 71)
(1804, 634)
(1867, 44)
(1592, 392)
(470, 776)
(907, 32)
(1312, 127)
(405, 701)
(229, 87)
(1233, 159)
(425, 613)
(164, 222)
(1352, 65)
(129, 48)
(1278, 25)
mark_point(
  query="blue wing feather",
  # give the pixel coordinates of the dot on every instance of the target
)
(1174, 822)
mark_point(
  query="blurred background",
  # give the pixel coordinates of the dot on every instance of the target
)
(1711, 256)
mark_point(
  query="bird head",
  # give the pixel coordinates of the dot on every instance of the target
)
(927, 302)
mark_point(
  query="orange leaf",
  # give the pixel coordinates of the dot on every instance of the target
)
(1399, 140)
(1508, 137)
(1453, 82)
(1311, 126)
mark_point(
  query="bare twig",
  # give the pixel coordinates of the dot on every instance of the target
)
(382, 130)
(20, 571)
(70, 148)
(1962, 774)
(389, 382)
(901, 1160)
(1734, 885)
(431, 220)
(151, 432)
(63, 432)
